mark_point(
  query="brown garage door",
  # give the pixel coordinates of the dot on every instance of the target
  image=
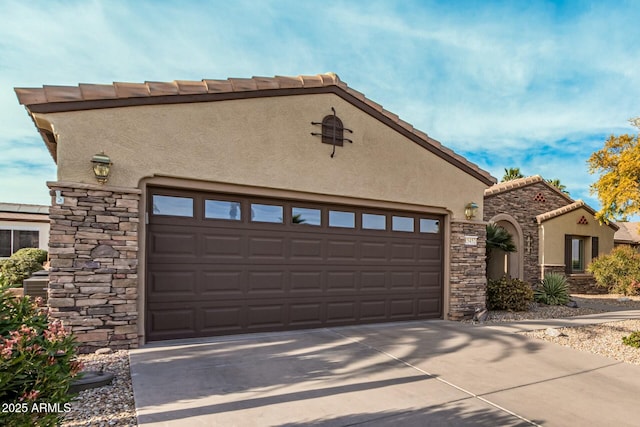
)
(223, 264)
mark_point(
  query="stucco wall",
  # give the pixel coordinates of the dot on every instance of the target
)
(554, 230)
(263, 142)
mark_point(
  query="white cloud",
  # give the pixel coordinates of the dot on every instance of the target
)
(507, 84)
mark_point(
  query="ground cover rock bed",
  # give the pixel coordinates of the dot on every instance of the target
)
(110, 405)
(604, 339)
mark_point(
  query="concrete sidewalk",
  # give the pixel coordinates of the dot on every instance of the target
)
(415, 373)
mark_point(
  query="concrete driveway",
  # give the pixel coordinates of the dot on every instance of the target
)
(433, 373)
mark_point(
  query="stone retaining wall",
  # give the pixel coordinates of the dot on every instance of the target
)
(93, 249)
(468, 278)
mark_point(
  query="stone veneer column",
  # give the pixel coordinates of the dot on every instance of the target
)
(93, 249)
(468, 278)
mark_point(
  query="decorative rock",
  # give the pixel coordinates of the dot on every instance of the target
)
(105, 350)
(552, 332)
(481, 315)
(624, 299)
(572, 304)
(90, 379)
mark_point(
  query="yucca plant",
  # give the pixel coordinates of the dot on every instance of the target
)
(553, 290)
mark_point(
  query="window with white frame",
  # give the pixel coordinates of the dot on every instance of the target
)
(12, 240)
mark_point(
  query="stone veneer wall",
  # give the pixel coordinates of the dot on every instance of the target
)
(93, 249)
(522, 205)
(468, 278)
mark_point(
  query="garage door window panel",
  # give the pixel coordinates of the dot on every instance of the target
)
(402, 223)
(306, 216)
(342, 219)
(267, 213)
(222, 209)
(430, 226)
(374, 222)
(172, 206)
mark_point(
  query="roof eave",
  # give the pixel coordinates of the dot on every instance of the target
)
(55, 99)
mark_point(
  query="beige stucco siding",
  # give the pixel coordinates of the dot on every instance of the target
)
(554, 230)
(264, 142)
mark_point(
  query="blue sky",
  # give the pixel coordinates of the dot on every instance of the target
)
(536, 85)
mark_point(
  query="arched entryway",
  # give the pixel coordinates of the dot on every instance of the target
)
(503, 263)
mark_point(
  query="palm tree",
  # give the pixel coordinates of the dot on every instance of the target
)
(499, 238)
(511, 174)
(297, 219)
(556, 183)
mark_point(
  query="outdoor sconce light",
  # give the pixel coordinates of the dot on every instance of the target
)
(101, 167)
(470, 210)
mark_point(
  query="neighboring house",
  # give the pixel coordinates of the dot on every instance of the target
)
(552, 232)
(23, 226)
(628, 234)
(249, 205)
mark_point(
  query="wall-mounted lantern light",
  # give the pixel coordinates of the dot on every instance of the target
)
(470, 210)
(101, 167)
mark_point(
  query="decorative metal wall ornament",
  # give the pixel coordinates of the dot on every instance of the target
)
(332, 131)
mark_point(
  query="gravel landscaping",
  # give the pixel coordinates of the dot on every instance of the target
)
(113, 405)
(604, 339)
(110, 405)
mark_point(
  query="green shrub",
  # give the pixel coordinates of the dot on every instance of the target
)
(632, 340)
(37, 364)
(618, 271)
(21, 264)
(553, 290)
(509, 294)
(37, 255)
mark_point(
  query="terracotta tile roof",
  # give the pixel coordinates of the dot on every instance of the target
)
(512, 184)
(578, 204)
(628, 232)
(118, 90)
(59, 98)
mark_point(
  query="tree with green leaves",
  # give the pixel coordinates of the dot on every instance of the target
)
(511, 174)
(618, 167)
(556, 183)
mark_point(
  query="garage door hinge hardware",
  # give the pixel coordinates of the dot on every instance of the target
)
(332, 131)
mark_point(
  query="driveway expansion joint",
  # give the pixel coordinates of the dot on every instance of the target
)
(433, 376)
